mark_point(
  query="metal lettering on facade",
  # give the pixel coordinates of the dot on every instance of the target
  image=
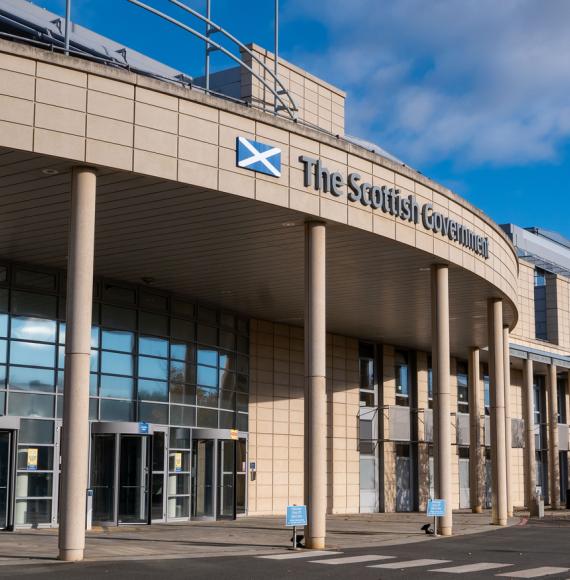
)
(389, 201)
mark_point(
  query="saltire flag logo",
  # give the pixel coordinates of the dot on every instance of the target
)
(258, 156)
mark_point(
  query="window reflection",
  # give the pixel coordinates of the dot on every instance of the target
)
(181, 393)
(117, 340)
(153, 346)
(207, 376)
(28, 328)
(207, 356)
(153, 390)
(115, 363)
(181, 372)
(153, 368)
(31, 379)
(206, 397)
(32, 353)
(117, 387)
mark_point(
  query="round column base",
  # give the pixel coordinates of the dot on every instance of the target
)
(445, 531)
(315, 544)
(70, 555)
(477, 509)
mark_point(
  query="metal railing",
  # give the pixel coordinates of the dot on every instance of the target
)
(283, 99)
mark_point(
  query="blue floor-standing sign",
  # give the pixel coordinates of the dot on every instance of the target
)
(436, 508)
(296, 516)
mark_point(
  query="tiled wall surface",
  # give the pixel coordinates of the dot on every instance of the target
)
(319, 103)
(276, 419)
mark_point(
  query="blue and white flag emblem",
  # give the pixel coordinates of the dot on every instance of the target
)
(258, 157)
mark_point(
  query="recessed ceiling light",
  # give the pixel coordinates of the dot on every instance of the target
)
(424, 269)
(50, 171)
(289, 224)
(148, 280)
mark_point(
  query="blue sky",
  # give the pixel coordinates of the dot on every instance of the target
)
(473, 93)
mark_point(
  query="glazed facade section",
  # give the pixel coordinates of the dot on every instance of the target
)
(155, 359)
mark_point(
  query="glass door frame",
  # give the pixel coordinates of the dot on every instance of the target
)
(159, 429)
(11, 476)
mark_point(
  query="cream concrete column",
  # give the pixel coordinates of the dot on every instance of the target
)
(508, 428)
(475, 455)
(529, 443)
(553, 444)
(75, 443)
(441, 371)
(497, 387)
(315, 385)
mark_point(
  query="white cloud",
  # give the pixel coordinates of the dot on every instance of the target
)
(476, 81)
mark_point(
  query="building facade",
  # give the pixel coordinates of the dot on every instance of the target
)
(330, 328)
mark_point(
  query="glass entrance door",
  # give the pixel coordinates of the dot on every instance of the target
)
(134, 482)
(203, 464)
(226, 479)
(121, 478)
(5, 478)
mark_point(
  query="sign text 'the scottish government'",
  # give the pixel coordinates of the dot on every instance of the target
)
(389, 200)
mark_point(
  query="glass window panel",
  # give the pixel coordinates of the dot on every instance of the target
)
(153, 346)
(179, 483)
(153, 413)
(42, 280)
(153, 390)
(181, 393)
(242, 384)
(45, 457)
(23, 378)
(207, 315)
(243, 344)
(94, 361)
(242, 421)
(119, 318)
(59, 407)
(2, 402)
(31, 353)
(179, 438)
(153, 301)
(34, 484)
(118, 340)
(115, 363)
(242, 403)
(36, 431)
(207, 356)
(28, 405)
(182, 329)
(4, 299)
(93, 409)
(206, 397)
(116, 387)
(179, 507)
(227, 380)
(31, 304)
(207, 376)
(207, 334)
(95, 336)
(3, 350)
(33, 511)
(183, 308)
(242, 364)
(120, 293)
(153, 368)
(227, 340)
(117, 410)
(3, 325)
(2, 376)
(182, 415)
(28, 328)
(153, 323)
(227, 400)
(207, 418)
(61, 333)
(93, 378)
(227, 420)
(228, 361)
(61, 357)
(181, 372)
(182, 351)
(228, 320)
